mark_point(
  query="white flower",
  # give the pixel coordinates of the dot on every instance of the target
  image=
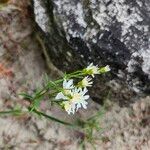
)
(92, 70)
(86, 82)
(60, 95)
(74, 97)
(67, 86)
(79, 97)
(107, 68)
(69, 107)
(104, 69)
(76, 100)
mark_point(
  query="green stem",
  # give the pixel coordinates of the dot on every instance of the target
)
(52, 118)
(58, 81)
(79, 75)
(10, 112)
(46, 88)
(76, 72)
(49, 85)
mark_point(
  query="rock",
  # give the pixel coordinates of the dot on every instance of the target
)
(106, 32)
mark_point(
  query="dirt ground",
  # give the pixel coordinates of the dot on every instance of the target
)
(22, 67)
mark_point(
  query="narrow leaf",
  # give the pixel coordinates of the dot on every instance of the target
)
(52, 118)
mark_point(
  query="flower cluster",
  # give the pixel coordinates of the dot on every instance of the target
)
(73, 96)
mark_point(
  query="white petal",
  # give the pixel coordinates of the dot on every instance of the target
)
(93, 75)
(70, 83)
(79, 90)
(73, 110)
(91, 64)
(84, 104)
(107, 68)
(86, 97)
(60, 96)
(70, 109)
(84, 91)
(64, 83)
(69, 112)
(78, 106)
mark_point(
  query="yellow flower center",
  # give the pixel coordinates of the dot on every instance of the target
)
(67, 105)
(75, 97)
(66, 92)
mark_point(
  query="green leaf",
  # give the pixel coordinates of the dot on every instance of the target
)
(36, 102)
(51, 84)
(27, 96)
(14, 112)
(37, 92)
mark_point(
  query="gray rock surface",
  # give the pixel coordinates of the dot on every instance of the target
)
(106, 32)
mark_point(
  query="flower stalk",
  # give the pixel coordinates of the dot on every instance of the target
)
(69, 92)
